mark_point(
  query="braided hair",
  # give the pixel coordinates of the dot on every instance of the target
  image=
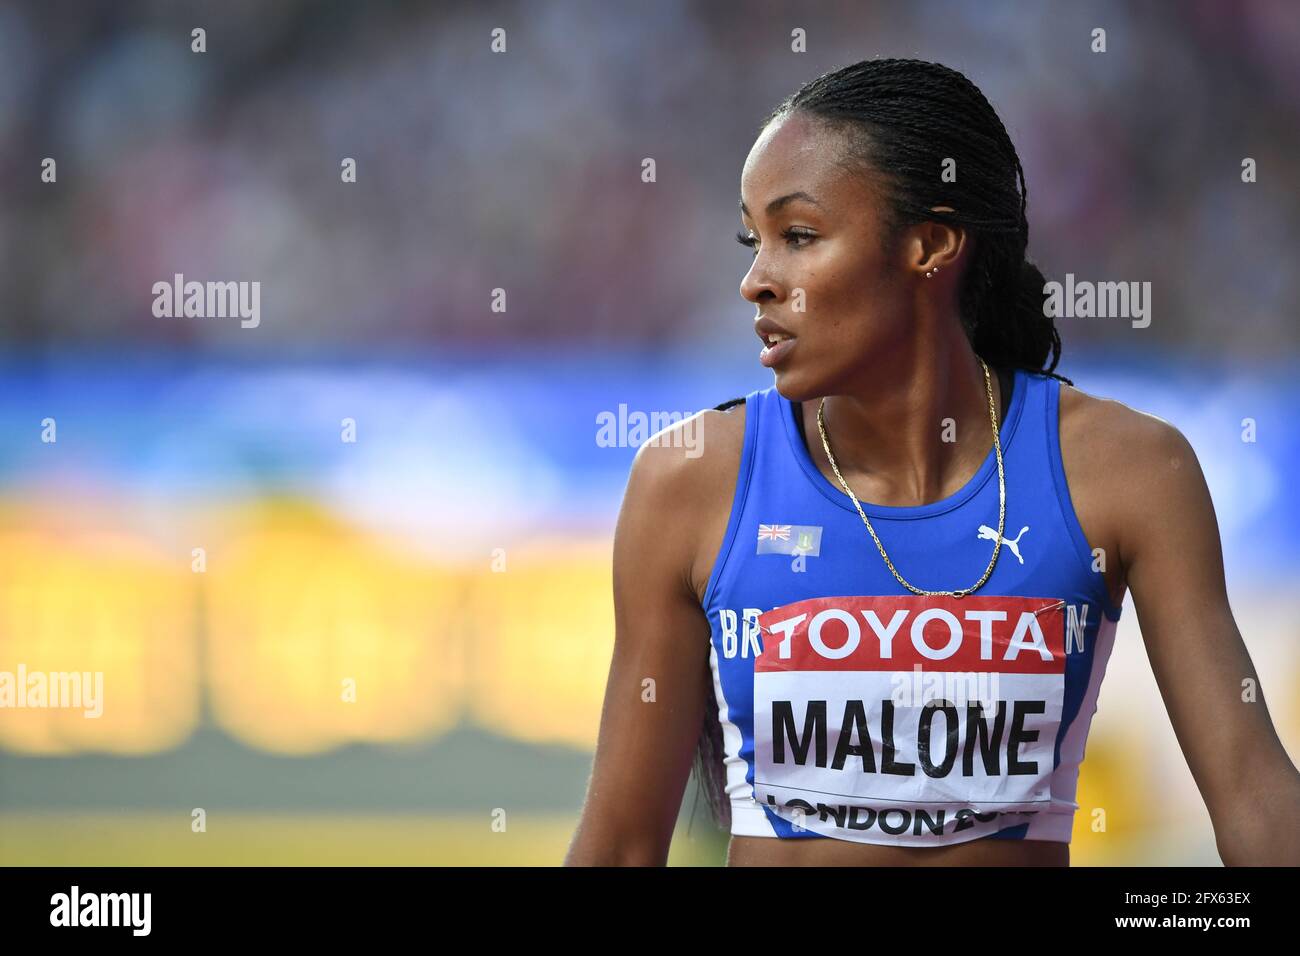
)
(901, 119)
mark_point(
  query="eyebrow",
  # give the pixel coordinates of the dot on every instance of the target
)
(776, 204)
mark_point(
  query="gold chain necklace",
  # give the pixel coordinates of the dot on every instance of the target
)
(1002, 497)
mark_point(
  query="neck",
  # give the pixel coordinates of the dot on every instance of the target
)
(887, 432)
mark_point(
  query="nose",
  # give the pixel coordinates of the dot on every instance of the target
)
(758, 282)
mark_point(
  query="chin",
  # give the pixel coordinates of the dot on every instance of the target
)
(796, 387)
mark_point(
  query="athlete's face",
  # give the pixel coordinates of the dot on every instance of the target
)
(819, 270)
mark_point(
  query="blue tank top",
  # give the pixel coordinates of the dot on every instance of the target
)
(854, 709)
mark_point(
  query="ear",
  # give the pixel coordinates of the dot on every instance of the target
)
(937, 246)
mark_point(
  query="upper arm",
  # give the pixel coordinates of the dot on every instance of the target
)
(659, 677)
(1170, 549)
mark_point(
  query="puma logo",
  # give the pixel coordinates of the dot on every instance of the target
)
(991, 534)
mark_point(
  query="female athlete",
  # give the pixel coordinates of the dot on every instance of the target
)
(877, 608)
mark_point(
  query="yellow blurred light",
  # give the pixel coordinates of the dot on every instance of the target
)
(1114, 777)
(319, 636)
(543, 635)
(97, 602)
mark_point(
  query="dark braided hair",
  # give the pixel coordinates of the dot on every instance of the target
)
(901, 119)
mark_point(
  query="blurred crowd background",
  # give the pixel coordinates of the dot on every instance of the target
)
(453, 561)
(522, 170)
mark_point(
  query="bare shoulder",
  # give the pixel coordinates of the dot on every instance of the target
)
(1117, 440)
(683, 478)
(1128, 472)
(688, 456)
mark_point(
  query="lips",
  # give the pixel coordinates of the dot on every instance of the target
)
(765, 326)
(777, 341)
(774, 354)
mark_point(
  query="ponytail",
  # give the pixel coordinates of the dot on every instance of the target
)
(1007, 326)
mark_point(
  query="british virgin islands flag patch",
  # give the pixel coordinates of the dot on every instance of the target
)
(803, 539)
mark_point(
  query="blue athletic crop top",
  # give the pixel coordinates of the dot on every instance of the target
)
(854, 709)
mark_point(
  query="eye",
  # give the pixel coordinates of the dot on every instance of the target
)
(789, 235)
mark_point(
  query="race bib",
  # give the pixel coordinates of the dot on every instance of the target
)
(913, 720)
